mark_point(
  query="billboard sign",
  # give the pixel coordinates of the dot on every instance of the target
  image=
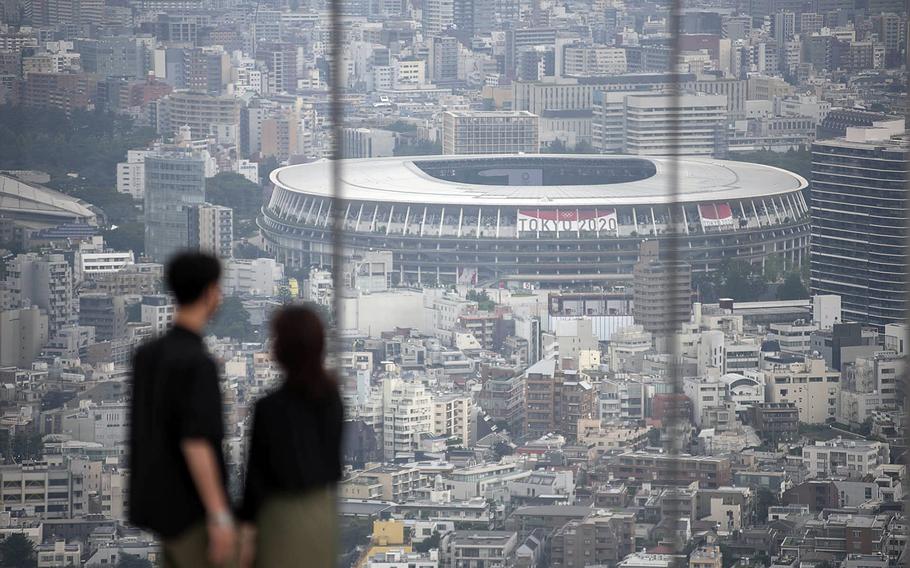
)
(718, 215)
(568, 220)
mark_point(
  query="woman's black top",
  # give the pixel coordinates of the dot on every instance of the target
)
(295, 446)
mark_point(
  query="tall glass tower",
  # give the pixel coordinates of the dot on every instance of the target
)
(859, 216)
(174, 182)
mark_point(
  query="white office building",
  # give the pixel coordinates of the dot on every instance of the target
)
(258, 277)
(644, 121)
(490, 132)
(854, 458)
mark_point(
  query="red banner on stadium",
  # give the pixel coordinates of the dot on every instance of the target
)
(716, 215)
(554, 220)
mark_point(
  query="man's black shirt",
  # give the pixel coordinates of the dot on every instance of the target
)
(175, 397)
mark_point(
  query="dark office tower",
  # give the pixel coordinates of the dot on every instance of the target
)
(859, 210)
(104, 312)
(443, 60)
(206, 70)
(179, 28)
(174, 182)
(783, 27)
(701, 23)
(281, 60)
(77, 13)
(119, 56)
(517, 40)
(464, 17)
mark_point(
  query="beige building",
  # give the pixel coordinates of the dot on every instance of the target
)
(211, 229)
(707, 556)
(810, 385)
(386, 482)
(452, 417)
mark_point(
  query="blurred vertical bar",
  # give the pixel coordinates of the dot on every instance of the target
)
(905, 379)
(675, 427)
(337, 118)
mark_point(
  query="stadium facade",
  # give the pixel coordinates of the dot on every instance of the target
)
(544, 219)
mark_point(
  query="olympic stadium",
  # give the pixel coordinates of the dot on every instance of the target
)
(545, 219)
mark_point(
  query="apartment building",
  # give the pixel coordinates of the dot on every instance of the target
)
(853, 458)
(710, 472)
(601, 538)
(556, 399)
(452, 417)
(810, 385)
(477, 549)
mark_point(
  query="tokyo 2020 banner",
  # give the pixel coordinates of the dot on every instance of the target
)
(557, 220)
(716, 215)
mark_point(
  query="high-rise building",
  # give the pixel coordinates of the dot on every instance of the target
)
(174, 182)
(503, 399)
(204, 114)
(490, 132)
(556, 400)
(23, 333)
(53, 13)
(407, 413)
(783, 26)
(443, 59)
(106, 313)
(45, 281)
(211, 229)
(662, 296)
(438, 16)
(157, 311)
(859, 209)
(281, 60)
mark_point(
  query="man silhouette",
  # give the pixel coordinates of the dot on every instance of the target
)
(177, 486)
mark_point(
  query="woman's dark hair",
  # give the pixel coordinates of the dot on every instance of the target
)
(298, 344)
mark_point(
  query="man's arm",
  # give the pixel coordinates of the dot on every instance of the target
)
(203, 466)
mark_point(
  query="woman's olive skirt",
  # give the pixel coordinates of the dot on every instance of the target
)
(298, 529)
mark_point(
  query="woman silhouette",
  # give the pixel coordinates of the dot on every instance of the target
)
(295, 453)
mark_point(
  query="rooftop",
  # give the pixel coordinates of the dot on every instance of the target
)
(538, 180)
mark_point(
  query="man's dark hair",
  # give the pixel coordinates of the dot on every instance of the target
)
(189, 274)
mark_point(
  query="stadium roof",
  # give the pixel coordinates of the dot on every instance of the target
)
(39, 205)
(405, 180)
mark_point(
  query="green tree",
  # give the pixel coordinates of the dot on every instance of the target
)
(737, 279)
(25, 446)
(418, 148)
(133, 561)
(80, 150)
(792, 288)
(248, 250)
(401, 126)
(764, 499)
(797, 161)
(17, 551)
(266, 167)
(774, 267)
(234, 191)
(232, 320)
(502, 448)
(428, 543)
(482, 298)
(128, 236)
